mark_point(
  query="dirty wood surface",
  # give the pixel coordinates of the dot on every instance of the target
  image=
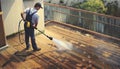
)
(87, 52)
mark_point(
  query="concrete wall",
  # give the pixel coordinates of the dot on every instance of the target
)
(11, 14)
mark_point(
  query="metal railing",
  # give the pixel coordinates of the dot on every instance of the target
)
(100, 23)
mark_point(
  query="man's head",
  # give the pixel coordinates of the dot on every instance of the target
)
(37, 6)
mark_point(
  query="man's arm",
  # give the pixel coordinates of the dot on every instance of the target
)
(36, 19)
(22, 15)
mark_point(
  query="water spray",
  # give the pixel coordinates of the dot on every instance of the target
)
(61, 45)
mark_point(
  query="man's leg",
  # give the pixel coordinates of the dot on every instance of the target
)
(27, 39)
(34, 45)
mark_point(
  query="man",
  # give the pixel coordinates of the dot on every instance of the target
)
(31, 21)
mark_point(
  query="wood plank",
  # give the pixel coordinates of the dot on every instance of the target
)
(86, 52)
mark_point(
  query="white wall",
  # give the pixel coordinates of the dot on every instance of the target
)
(11, 14)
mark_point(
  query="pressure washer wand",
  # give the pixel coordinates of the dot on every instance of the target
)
(51, 38)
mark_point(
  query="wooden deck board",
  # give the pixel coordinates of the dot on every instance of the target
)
(88, 52)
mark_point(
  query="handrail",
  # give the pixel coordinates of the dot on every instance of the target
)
(95, 13)
(101, 23)
(85, 18)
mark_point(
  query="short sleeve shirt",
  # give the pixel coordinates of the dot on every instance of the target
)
(35, 17)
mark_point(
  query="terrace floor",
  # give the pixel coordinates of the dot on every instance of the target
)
(88, 52)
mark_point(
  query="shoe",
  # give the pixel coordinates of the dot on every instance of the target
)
(26, 48)
(37, 49)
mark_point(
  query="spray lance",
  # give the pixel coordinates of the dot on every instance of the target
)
(51, 38)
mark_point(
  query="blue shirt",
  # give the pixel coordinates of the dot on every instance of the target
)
(35, 17)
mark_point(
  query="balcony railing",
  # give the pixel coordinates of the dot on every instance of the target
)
(100, 23)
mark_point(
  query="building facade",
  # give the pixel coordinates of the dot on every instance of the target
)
(10, 17)
(11, 14)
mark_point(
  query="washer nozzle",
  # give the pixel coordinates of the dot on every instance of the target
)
(50, 37)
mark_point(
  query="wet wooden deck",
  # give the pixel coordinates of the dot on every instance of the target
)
(88, 52)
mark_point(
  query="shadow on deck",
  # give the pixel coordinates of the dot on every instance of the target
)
(88, 52)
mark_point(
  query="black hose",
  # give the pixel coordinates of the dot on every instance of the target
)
(19, 32)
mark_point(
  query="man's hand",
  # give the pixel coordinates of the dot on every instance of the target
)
(25, 20)
(34, 26)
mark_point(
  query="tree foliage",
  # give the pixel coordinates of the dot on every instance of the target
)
(112, 8)
(92, 5)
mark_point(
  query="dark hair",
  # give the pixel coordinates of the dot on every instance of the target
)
(38, 5)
